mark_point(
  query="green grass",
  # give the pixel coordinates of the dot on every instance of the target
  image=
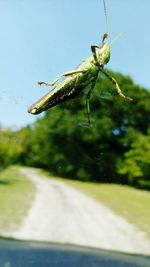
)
(16, 195)
(130, 203)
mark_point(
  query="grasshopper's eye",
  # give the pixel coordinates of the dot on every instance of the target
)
(105, 35)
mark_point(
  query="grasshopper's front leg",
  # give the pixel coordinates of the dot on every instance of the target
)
(68, 73)
(93, 49)
(113, 80)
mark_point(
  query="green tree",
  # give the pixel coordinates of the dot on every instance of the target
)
(8, 148)
(136, 162)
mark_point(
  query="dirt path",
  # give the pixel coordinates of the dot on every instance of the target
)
(62, 214)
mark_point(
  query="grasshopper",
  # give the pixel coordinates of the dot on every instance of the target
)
(85, 75)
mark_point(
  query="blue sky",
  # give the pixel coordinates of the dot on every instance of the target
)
(39, 39)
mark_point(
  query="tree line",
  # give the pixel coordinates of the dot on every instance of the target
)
(114, 148)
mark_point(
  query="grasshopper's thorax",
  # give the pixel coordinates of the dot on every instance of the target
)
(103, 54)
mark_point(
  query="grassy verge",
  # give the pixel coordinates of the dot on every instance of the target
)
(130, 203)
(16, 194)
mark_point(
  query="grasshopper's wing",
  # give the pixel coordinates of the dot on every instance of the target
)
(63, 92)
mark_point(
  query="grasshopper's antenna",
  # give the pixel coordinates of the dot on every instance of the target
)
(116, 37)
(105, 10)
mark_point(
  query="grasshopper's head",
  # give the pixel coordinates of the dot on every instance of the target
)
(103, 53)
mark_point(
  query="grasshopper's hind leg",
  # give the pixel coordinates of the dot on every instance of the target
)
(113, 80)
(68, 73)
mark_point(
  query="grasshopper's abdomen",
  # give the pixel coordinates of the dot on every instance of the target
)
(68, 89)
(61, 93)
